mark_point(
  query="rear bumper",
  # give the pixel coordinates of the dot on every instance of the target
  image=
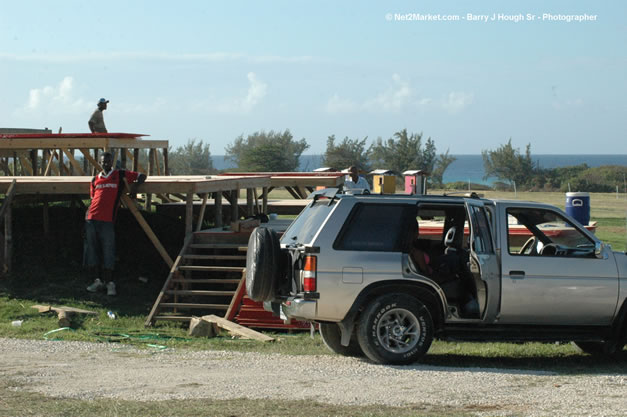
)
(299, 309)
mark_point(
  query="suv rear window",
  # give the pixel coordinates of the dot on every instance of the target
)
(375, 227)
(306, 225)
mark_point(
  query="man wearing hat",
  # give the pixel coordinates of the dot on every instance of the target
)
(96, 122)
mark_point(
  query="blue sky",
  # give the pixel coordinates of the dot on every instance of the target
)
(217, 70)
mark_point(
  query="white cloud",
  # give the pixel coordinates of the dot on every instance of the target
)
(257, 90)
(336, 104)
(393, 99)
(457, 101)
(54, 99)
(397, 97)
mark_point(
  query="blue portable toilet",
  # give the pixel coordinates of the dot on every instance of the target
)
(578, 207)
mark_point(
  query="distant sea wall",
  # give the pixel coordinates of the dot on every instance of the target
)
(468, 167)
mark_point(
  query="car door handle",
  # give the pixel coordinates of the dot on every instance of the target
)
(516, 274)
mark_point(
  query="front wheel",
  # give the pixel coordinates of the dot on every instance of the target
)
(395, 329)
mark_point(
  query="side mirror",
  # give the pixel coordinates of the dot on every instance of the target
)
(598, 250)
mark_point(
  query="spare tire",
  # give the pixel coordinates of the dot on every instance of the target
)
(262, 261)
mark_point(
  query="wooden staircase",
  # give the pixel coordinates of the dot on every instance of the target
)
(208, 277)
(204, 279)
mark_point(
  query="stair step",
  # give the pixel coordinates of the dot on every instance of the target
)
(218, 257)
(238, 246)
(211, 268)
(194, 305)
(199, 292)
(207, 281)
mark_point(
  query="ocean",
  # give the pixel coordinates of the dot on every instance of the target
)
(469, 167)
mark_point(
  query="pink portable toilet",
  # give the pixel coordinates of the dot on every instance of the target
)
(416, 181)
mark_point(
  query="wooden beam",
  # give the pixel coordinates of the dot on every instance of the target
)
(189, 213)
(201, 215)
(74, 162)
(236, 301)
(91, 159)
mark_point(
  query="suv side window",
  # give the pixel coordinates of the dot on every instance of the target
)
(481, 231)
(374, 227)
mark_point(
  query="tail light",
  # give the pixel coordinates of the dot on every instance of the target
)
(310, 273)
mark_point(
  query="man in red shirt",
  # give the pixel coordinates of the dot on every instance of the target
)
(105, 191)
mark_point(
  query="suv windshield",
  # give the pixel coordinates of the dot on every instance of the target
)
(308, 222)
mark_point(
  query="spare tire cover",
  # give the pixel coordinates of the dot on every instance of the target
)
(261, 264)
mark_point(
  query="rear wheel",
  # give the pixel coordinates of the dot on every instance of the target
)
(332, 336)
(395, 329)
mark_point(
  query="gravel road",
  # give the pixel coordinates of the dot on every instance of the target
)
(90, 370)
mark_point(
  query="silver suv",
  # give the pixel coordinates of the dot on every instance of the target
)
(383, 275)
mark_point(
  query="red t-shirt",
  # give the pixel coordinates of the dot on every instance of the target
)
(105, 195)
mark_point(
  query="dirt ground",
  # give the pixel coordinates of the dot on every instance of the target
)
(88, 371)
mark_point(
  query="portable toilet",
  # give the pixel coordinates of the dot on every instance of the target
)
(383, 181)
(415, 181)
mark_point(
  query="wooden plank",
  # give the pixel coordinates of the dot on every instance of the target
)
(206, 281)
(46, 308)
(201, 292)
(8, 199)
(189, 213)
(201, 215)
(101, 143)
(218, 209)
(236, 301)
(74, 162)
(236, 329)
(91, 159)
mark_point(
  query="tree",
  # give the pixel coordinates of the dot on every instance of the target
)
(261, 151)
(441, 164)
(404, 151)
(506, 163)
(192, 158)
(346, 153)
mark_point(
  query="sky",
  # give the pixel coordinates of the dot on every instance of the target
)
(533, 71)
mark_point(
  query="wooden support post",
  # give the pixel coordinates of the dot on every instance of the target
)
(86, 169)
(234, 205)
(264, 205)
(151, 172)
(217, 203)
(166, 168)
(61, 163)
(189, 213)
(33, 159)
(97, 167)
(201, 215)
(158, 167)
(123, 158)
(136, 159)
(249, 202)
(15, 163)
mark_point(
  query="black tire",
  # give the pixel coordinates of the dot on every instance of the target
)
(262, 264)
(395, 329)
(607, 348)
(331, 336)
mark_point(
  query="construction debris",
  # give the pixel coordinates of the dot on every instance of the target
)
(235, 329)
(63, 313)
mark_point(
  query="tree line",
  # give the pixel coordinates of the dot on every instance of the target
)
(279, 151)
(276, 151)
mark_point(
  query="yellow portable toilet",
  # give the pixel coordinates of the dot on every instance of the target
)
(383, 181)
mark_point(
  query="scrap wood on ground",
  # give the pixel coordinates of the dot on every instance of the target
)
(63, 312)
(207, 326)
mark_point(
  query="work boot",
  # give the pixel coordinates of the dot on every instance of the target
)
(111, 288)
(96, 286)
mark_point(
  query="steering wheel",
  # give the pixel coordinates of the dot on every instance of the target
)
(529, 248)
(550, 249)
